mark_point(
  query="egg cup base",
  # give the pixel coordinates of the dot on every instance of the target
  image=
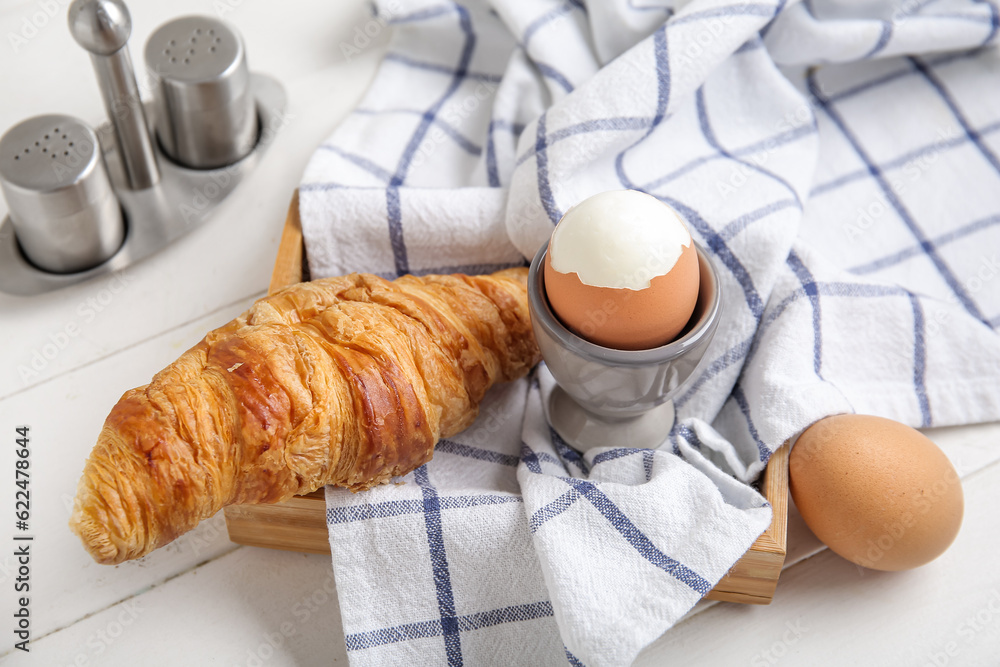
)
(583, 429)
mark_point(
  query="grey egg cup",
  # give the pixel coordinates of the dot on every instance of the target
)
(607, 397)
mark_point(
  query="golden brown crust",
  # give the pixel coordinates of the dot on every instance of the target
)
(347, 381)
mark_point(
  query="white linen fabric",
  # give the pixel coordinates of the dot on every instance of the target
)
(839, 160)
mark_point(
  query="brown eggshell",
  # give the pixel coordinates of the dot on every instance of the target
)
(878, 493)
(627, 319)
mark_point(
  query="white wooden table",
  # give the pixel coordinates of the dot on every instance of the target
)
(203, 600)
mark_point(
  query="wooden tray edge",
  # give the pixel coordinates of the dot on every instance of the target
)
(288, 264)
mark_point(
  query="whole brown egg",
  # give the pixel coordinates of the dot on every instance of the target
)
(875, 491)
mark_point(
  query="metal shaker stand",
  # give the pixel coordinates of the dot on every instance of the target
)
(156, 217)
(180, 200)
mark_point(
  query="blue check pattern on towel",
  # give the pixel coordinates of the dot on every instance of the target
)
(840, 162)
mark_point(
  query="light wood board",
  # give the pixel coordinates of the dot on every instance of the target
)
(300, 523)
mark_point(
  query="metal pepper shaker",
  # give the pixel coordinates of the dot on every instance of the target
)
(65, 214)
(206, 115)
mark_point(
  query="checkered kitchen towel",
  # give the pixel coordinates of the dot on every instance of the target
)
(840, 162)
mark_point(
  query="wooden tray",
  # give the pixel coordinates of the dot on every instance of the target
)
(300, 523)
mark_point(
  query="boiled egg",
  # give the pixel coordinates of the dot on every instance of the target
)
(621, 271)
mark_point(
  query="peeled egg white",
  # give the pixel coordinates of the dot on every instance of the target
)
(621, 271)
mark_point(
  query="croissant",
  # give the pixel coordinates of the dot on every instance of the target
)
(347, 381)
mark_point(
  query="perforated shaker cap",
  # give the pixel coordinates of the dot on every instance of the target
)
(201, 59)
(47, 153)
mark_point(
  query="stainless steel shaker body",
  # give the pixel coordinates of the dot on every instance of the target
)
(65, 214)
(205, 113)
